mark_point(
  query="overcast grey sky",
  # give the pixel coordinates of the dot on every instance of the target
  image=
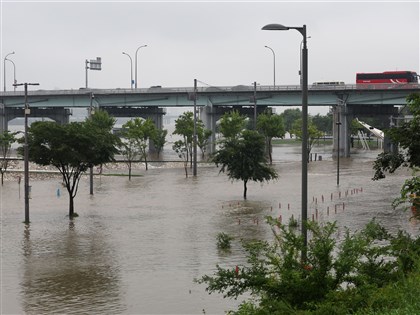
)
(220, 43)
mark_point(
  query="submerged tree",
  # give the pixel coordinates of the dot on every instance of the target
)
(182, 152)
(271, 126)
(243, 158)
(313, 133)
(73, 148)
(7, 138)
(159, 140)
(184, 126)
(289, 118)
(138, 133)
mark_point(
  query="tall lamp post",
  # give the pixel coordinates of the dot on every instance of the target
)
(135, 64)
(131, 69)
(274, 66)
(14, 73)
(195, 130)
(4, 69)
(26, 150)
(304, 69)
(338, 123)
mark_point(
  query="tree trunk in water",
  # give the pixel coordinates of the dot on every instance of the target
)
(129, 172)
(71, 206)
(2, 175)
(245, 189)
(145, 161)
(186, 169)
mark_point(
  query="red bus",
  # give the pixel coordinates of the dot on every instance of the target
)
(396, 77)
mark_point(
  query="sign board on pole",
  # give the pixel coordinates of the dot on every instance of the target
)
(95, 64)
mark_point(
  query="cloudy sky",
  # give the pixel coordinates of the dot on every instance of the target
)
(219, 43)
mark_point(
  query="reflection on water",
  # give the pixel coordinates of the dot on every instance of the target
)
(138, 245)
(67, 270)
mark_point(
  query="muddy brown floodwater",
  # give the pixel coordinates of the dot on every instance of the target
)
(138, 245)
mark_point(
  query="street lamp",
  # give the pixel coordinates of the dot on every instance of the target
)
(26, 150)
(4, 69)
(135, 63)
(304, 69)
(274, 65)
(14, 72)
(131, 69)
(300, 60)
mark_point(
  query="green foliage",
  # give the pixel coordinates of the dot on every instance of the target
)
(323, 123)
(407, 136)
(410, 193)
(232, 124)
(159, 140)
(7, 138)
(337, 277)
(289, 118)
(137, 133)
(182, 151)
(184, 126)
(244, 159)
(313, 132)
(224, 241)
(271, 126)
(293, 222)
(203, 137)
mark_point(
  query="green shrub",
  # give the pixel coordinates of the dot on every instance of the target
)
(337, 277)
(224, 241)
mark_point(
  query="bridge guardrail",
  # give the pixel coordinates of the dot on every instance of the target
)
(214, 89)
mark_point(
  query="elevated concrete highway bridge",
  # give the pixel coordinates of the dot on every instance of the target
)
(346, 101)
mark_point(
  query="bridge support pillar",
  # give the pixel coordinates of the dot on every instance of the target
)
(60, 115)
(341, 132)
(3, 118)
(209, 120)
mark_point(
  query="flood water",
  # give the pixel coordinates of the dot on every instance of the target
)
(138, 245)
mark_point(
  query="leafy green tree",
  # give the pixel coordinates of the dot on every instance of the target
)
(407, 136)
(184, 126)
(323, 123)
(271, 126)
(129, 150)
(290, 116)
(7, 138)
(73, 148)
(181, 150)
(138, 133)
(203, 137)
(243, 158)
(159, 140)
(232, 124)
(313, 133)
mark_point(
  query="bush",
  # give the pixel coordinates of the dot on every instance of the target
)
(336, 277)
(224, 241)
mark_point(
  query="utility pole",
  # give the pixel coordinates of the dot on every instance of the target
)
(26, 150)
(195, 130)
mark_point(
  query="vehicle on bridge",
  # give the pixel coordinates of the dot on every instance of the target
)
(393, 77)
(327, 83)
